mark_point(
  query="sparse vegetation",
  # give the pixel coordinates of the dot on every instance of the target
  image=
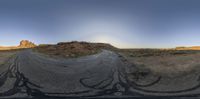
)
(72, 49)
(165, 62)
(156, 52)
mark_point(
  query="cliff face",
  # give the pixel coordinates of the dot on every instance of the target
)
(26, 44)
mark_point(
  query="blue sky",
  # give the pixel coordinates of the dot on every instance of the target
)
(123, 23)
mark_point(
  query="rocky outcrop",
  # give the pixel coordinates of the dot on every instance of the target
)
(26, 44)
(73, 49)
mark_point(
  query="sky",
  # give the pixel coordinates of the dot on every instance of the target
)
(122, 23)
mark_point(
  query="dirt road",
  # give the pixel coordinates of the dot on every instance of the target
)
(29, 74)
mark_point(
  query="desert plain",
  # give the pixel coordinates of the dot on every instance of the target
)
(83, 69)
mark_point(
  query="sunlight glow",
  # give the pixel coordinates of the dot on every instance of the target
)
(111, 40)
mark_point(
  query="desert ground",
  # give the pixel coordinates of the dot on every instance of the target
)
(81, 69)
(165, 72)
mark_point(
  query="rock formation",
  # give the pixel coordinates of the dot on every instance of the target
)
(26, 44)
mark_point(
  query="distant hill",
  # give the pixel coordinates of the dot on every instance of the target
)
(188, 48)
(73, 49)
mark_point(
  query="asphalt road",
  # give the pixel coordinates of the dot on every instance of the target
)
(30, 74)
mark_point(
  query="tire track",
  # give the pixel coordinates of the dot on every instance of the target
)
(21, 82)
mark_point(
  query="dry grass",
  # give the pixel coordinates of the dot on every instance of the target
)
(156, 52)
(12, 48)
(8, 48)
(188, 48)
(171, 63)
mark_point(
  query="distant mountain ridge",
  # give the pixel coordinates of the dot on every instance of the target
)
(188, 48)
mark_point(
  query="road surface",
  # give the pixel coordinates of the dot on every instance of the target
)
(30, 74)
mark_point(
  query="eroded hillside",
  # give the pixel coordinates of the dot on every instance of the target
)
(73, 49)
